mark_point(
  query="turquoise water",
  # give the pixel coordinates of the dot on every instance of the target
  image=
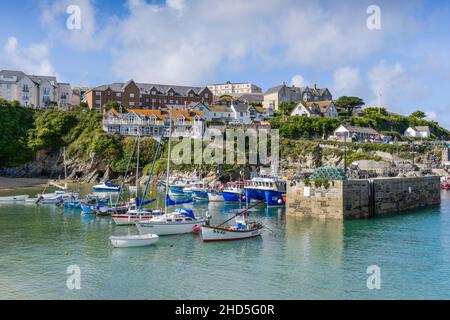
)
(299, 259)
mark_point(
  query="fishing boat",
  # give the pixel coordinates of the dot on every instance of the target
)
(268, 189)
(200, 192)
(180, 221)
(133, 240)
(215, 196)
(241, 229)
(107, 187)
(234, 192)
(15, 198)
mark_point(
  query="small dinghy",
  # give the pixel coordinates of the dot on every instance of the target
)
(133, 241)
(15, 198)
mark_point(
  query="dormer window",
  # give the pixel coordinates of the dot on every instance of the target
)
(153, 92)
(152, 120)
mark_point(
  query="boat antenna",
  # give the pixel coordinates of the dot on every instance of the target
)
(168, 158)
(137, 164)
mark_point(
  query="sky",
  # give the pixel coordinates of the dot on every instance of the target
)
(400, 56)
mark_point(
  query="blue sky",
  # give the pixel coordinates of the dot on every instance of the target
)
(196, 42)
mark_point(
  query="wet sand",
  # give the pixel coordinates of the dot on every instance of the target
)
(13, 183)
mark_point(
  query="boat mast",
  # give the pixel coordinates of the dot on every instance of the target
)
(168, 158)
(137, 165)
(65, 168)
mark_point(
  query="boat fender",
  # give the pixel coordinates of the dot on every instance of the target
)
(196, 228)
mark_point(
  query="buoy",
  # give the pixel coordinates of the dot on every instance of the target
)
(196, 228)
(243, 197)
(280, 201)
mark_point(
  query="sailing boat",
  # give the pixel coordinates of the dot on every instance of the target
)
(61, 195)
(241, 229)
(136, 212)
(182, 220)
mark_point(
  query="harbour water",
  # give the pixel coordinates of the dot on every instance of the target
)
(297, 259)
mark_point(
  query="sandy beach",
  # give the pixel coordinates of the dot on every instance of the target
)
(13, 183)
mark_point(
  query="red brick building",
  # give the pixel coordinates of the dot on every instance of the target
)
(146, 96)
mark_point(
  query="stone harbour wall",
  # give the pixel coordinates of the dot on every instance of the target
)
(362, 198)
(393, 195)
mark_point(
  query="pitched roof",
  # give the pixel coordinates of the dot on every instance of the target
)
(421, 128)
(274, 89)
(219, 108)
(360, 129)
(147, 87)
(240, 107)
(323, 106)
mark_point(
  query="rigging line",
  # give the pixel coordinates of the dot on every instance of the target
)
(151, 173)
(53, 171)
(243, 211)
(126, 172)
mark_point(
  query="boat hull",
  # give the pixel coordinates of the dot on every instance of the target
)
(215, 197)
(133, 241)
(163, 229)
(15, 198)
(127, 219)
(198, 195)
(232, 197)
(210, 233)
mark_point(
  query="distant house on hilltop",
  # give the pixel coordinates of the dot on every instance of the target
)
(277, 95)
(315, 109)
(418, 132)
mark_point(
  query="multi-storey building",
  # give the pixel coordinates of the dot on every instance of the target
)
(277, 95)
(229, 88)
(34, 91)
(185, 123)
(146, 96)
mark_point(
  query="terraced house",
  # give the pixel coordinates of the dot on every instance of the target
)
(146, 96)
(34, 90)
(185, 123)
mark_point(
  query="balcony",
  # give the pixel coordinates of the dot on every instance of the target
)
(134, 122)
(25, 89)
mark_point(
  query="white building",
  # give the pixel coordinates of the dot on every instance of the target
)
(418, 132)
(34, 91)
(155, 123)
(230, 88)
(315, 109)
(356, 133)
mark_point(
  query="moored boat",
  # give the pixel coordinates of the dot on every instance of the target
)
(181, 221)
(268, 189)
(234, 192)
(241, 229)
(107, 187)
(133, 240)
(15, 198)
(215, 196)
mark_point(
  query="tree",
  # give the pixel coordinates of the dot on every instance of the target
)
(287, 108)
(419, 114)
(349, 103)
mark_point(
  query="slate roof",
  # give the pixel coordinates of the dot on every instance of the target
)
(147, 88)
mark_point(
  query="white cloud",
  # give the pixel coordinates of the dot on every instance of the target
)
(298, 81)
(54, 17)
(33, 59)
(190, 42)
(176, 4)
(346, 81)
(399, 89)
(431, 115)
